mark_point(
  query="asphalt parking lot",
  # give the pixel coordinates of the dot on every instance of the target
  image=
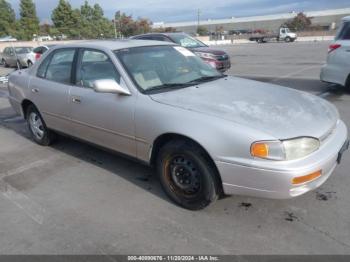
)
(72, 198)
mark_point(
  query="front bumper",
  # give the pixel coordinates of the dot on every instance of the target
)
(273, 179)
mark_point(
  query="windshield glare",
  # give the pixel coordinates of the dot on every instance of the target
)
(160, 66)
(187, 41)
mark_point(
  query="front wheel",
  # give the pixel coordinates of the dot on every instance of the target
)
(37, 127)
(18, 65)
(30, 63)
(187, 176)
(287, 39)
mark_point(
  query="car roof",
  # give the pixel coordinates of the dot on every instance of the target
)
(166, 34)
(116, 44)
(346, 18)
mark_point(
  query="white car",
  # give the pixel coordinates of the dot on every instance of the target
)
(337, 69)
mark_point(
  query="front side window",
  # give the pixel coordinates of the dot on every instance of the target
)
(60, 66)
(95, 65)
(187, 41)
(160, 68)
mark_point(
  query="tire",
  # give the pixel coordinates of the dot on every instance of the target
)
(186, 175)
(5, 63)
(347, 84)
(18, 65)
(287, 39)
(37, 127)
(29, 63)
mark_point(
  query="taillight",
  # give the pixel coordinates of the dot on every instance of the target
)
(37, 56)
(333, 47)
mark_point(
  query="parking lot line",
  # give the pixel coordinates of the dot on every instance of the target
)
(22, 201)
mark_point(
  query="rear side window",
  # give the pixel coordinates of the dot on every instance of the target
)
(42, 68)
(60, 66)
(344, 33)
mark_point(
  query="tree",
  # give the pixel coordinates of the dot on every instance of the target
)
(7, 18)
(299, 23)
(143, 26)
(93, 22)
(66, 20)
(29, 21)
(202, 31)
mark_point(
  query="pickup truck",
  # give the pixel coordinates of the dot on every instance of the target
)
(284, 35)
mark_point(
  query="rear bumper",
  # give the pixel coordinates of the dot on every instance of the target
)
(332, 74)
(273, 179)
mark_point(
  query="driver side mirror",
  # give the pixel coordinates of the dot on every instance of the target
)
(110, 86)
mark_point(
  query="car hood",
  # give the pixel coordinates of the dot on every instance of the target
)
(275, 110)
(208, 50)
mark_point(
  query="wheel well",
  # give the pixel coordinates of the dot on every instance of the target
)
(164, 139)
(25, 104)
(347, 82)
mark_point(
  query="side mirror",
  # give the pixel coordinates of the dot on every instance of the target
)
(110, 86)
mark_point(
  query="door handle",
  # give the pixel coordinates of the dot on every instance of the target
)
(35, 90)
(76, 100)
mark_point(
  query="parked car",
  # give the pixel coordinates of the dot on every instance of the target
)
(8, 39)
(216, 58)
(17, 57)
(40, 50)
(43, 38)
(337, 68)
(205, 133)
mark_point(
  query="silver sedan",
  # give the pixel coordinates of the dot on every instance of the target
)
(205, 133)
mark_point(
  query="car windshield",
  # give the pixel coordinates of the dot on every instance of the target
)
(23, 50)
(187, 41)
(161, 68)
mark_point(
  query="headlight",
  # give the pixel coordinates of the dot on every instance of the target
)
(205, 55)
(290, 149)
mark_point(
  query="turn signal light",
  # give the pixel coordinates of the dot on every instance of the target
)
(260, 150)
(307, 178)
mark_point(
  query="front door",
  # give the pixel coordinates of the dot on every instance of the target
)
(105, 119)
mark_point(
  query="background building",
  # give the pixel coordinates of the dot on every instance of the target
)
(327, 19)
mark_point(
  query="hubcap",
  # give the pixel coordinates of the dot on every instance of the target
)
(185, 175)
(36, 125)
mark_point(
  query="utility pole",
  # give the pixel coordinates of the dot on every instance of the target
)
(198, 18)
(115, 28)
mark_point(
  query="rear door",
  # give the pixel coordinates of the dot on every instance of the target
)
(102, 118)
(11, 57)
(49, 89)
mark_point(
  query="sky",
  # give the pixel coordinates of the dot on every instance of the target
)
(186, 10)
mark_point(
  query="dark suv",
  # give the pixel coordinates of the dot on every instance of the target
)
(216, 58)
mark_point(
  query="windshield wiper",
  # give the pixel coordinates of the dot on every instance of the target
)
(169, 86)
(204, 79)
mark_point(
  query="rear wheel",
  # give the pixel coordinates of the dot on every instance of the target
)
(5, 63)
(186, 175)
(37, 127)
(29, 63)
